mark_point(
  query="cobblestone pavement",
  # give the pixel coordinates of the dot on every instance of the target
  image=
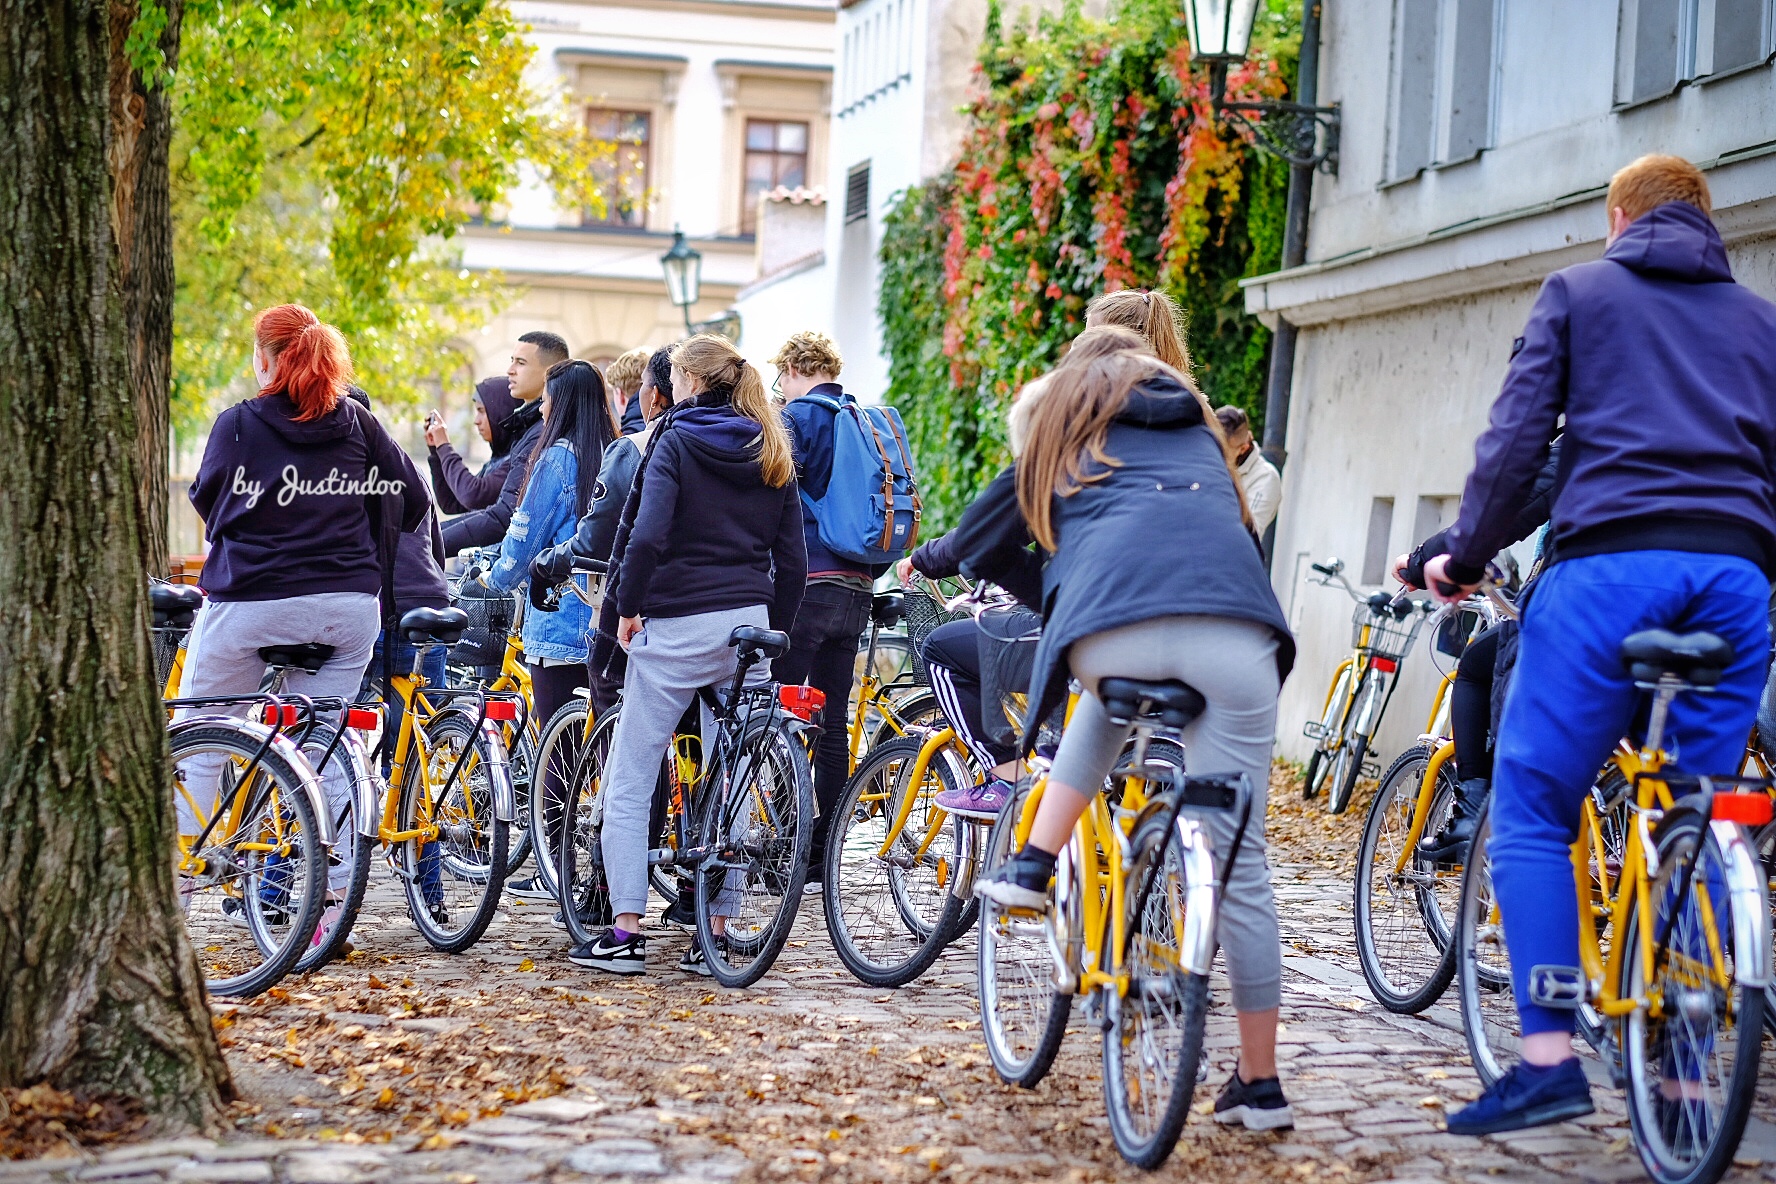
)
(509, 1064)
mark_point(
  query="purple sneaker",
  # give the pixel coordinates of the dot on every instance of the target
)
(983, 801)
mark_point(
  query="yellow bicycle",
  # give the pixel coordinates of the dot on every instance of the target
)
(1674, 936)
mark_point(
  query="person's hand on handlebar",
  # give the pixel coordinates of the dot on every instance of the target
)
(1441, 586)
(903, 571)
(1398, 571)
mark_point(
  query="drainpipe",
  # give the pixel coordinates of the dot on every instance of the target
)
(1282, 346)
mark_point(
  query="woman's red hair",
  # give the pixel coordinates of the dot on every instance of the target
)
(313, 364)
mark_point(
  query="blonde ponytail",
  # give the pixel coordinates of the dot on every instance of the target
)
(718, 366)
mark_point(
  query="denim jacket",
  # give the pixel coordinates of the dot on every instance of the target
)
(545, 517)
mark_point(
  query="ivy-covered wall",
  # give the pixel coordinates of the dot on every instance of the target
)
(1092, 162)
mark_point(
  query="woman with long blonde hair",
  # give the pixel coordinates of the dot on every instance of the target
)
(711, 539)
(1154, 574)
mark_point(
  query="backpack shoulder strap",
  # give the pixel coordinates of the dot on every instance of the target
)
(827, 401)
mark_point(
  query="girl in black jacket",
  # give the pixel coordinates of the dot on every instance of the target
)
(1155, 574)
(711, 540)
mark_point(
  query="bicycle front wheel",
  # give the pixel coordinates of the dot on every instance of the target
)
(1483, 967)
(1153, 1045)
(252, 892)
(453, 881)
(1405, 904)
(1691, 1058)
(557, 756)
(1023, 1013)
(348, 864)
(756, 833)
(890, 915)
(585, 893)
(521, 754)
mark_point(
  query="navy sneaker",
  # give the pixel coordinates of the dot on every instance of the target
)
(1259, 1105)
(1021, 882)
(1528, 1095)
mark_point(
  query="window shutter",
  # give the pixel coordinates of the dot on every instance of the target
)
(1740, 35)
(1415, 87)
(1470, 84)
(1651, 36)
(857, 193)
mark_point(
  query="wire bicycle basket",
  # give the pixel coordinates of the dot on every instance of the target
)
(922, 613)
(1382, 636)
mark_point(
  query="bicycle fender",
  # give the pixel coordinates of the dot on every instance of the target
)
(1197, 951)
(366, 786)
(1747, 888)
(499, 774)
(286, 748)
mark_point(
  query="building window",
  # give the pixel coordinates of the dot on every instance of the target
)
(1444, 68)
(1662, 44)
(622, 172)
(857, 193)
(1375, 546)
(776, 154)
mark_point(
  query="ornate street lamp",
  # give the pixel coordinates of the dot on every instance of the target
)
(684, 275)
(1301, 133)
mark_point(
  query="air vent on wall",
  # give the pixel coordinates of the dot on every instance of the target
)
(857, 193)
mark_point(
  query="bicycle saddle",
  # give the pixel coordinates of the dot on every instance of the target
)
(425, 626)
(309, 656)
(174, 605)
(885, 609)
(1172, 702)
(769, 642)
(1698, 658)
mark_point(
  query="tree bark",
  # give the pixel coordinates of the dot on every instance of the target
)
(99, 986)
(141, 134)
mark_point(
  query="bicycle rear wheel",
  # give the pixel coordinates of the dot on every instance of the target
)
(1023, 1014)
(521, 750)
(1153, 1042)
(1692, 1067)
(348, 864)
(252, 893)
(890, 915)
(757, 828)
(1405, 918)
(453, 882)
(558, 752)
(584, 896)
(1483, 967)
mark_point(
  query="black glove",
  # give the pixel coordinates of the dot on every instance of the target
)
(552, 566)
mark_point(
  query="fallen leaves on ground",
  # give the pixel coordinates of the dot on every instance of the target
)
(42, 1120)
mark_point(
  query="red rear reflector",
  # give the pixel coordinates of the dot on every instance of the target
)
(503, 710)
(1748, 809)
(1385, 665)
(361, 719)
(287, 711)
(802, 702)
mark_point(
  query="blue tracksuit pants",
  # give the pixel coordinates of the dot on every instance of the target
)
(1571, 700)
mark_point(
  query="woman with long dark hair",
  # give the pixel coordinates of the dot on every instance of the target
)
(577, 428)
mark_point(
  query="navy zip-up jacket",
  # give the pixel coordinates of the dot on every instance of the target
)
(285, 504)
(709, 534)
(1666, 372)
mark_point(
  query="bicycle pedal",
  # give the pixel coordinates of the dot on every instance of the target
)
(1315, 730)
(1558, 988)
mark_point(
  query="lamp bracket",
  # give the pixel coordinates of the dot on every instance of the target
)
(1301, 134)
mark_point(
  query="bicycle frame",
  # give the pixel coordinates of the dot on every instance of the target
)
(1421, 808)
(416, 697)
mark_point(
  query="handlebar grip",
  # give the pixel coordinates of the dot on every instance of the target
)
(587, 563)
(1323, 569)
(1446, 589)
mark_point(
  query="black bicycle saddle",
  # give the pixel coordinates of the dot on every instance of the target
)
(1698, 658)
(427, 626)
(885, 609)
(1172, 702)
(309, 655)
(174, 605)
(769, 642)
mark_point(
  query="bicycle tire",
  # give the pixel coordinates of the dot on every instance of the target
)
(1145, 1134)
(304, 883)
(1332, 722)
(1403, 933)
(1023, 1014)
(352, 852)
(1687, 849)
(878, 945)
(780, 825)
(557, 755)
(472, 843)
(584, 893)
(1483, 968)
(520, 757)
(917, 712)
(1347, 765)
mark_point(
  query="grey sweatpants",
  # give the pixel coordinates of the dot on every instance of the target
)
(670, 660)
(223, 659)
(1233, 664)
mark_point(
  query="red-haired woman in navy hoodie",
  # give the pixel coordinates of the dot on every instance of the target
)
(285, 492)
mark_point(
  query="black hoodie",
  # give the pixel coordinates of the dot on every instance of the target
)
(485, 528)
(709, 534)
(285, 504)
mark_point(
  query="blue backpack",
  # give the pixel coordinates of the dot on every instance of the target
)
(870, 513)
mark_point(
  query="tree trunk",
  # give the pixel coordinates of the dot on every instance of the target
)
(141, 219)
(99, 986)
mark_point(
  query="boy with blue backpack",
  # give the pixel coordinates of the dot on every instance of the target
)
(860, 513)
